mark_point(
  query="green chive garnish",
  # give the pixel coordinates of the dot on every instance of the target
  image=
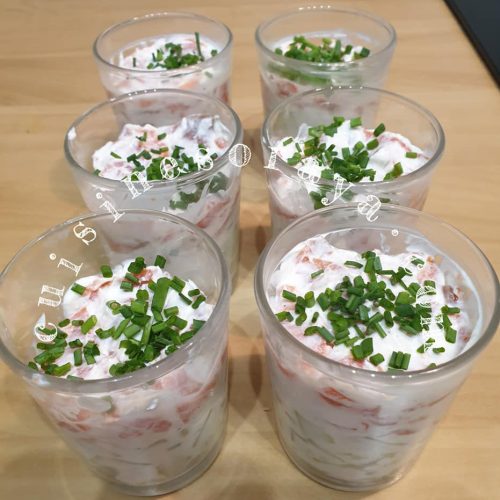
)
(351, 263)
(379, 130)
(79, 289)
(289, 295)
(376, 359)
(127, 286)
(106, 271)
(317, 273)
(355, 122)
(160, 261)
(284, 316)
(89, 324)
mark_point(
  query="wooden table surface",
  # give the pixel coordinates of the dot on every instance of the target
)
(48, 78)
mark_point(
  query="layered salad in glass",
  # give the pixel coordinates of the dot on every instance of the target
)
(165, 50)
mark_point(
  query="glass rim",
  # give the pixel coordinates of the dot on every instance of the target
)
(327, 8)
(187, 70)
(291, 171)
(143, 375)
(218, 163)
(469, 354)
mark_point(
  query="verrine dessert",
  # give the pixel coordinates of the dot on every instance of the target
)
(370, 329)
(338, 145)
(320, 46)
(164, 150)
(125, 353)
(175, 50)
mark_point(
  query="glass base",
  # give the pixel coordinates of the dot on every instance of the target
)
(338, 484)
(173, 485)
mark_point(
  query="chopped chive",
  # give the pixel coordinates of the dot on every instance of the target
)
(299, 320)
(194, 292)
(310, 330)
(138, 307)
(376, 359)
(326, 334)
(367, 346)
(198, 301)
(63, 323)
(355, 122)
(309, 298)
(450, 310)
(185, 299)
(406, 361)
(131, 330)
(372, 144)
(284, 316)
(171, 311)
(438, 350)
(397, 171)
(89, 358)
(131, 278)
(379, 130)
(289, 295)
(77, 356)
(357, 352)
(351, 263)
(126, 286)
(451, 335)
(317, 273)
(323, 301)
(160, 261)
(114, 155)
(121, 327)
(146, 333)
(79, 289)
(411, 154)
(89, 324)
(197, 324)
(198, 48)
(160, 294)
(106, 271)
(364, 52)
(160, 138)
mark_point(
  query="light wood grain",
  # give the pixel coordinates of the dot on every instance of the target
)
(48, 78)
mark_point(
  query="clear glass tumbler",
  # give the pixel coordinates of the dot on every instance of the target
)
(211, 77)
(356, 429)
(214, 210)
(151, 431)
(282, 77)
(290, 193)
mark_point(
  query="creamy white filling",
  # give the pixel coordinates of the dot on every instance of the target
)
(392, 149)
(294, 274)
(142, 52)
(99, 291)
(187, 133)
